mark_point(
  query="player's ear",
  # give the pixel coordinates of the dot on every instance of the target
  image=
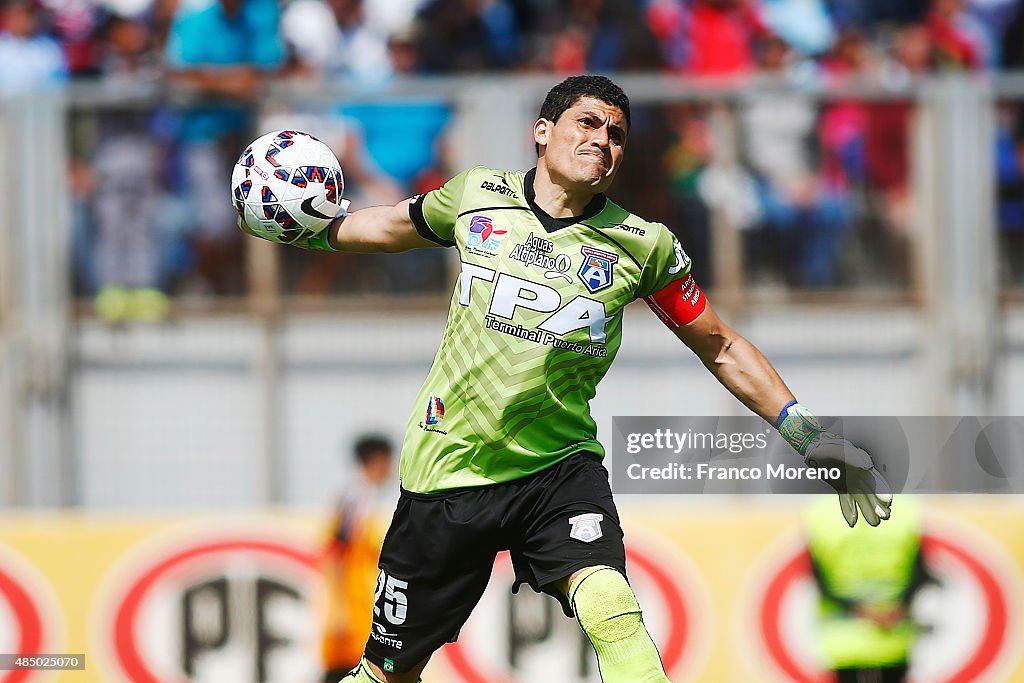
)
(541, 130)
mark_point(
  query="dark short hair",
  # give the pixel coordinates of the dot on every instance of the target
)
(367, 446)
(568, 92)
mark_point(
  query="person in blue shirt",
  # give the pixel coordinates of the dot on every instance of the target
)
(224, 50)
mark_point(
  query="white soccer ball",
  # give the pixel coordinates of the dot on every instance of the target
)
(287, 185)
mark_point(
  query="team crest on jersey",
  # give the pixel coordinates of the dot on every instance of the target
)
(586, 527)
(484, 234)
(596, 271)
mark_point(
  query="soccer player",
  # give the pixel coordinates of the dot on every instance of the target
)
(501, 451)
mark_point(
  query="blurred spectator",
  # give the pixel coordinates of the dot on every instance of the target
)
(31, 60)
(686, 156)
(991, 18)
(335, 39)
(221, 49)
(804, 24)
(1012, 49)
(603, 36)
(843, 122)
(887, 128)
(349, 560)
(1010, 175)
(956, 41)
(806, 216)
(720, 37)
(867, 579)
(77, 26)
(467, 35)
(126, 196)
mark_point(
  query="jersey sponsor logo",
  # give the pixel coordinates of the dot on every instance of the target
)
(510, 293)
(682, 260)
(434, 415)
(586, 527)
(484, 235)
(536, 252)
(502, 189)
(596, 271)
(634, 229)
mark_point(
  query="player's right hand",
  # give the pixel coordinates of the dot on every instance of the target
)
(861, 486)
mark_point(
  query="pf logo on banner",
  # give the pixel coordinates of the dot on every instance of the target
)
(233, 607)
(29, 614)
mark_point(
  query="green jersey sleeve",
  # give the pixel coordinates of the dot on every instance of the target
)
(434, 213)
(666, 263)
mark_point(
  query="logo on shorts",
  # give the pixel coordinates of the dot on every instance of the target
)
(596, 271)
(389, 665)
(586, 528)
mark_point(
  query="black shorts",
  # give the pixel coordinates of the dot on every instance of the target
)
(440, 549)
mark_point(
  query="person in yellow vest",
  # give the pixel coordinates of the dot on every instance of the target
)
(349, 560)
(867, 578)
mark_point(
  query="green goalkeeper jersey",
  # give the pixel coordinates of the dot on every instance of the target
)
(534, 323)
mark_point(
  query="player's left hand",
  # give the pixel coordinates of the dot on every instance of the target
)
(861, 486)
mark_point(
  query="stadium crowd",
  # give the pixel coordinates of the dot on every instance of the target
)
(811, 173)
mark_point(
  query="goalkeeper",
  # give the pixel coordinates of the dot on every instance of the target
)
(501, 451)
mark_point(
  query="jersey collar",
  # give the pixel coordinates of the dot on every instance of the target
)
(551, 224)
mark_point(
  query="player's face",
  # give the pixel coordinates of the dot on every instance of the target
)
(584, 147)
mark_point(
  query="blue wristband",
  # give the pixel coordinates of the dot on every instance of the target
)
(784, 412)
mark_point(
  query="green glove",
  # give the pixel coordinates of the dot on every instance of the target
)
(861, 486)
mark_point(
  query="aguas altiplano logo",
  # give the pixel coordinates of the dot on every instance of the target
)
(483, 234)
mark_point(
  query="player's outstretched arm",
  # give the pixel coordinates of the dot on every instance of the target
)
(745, 372)
(736, 363)
(373, 229)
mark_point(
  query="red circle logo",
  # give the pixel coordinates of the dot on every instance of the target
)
(543, 637)
(227, 608)
(968, 582)
(27, 612)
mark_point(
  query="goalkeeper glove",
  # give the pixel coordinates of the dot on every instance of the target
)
(860, 485)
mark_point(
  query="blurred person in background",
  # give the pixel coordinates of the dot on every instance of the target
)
(1010, 177)
(806, 215)
(467, 35)
(127, 196)
(223, 51)
(603, 36)
(887, 129)
(78, 25)
(686, 156)
(406, 151)
(349, 560)
(805, 25)
(31, 59)
(958, 41)
(333, 39)
(867, 580)
(720, 37)
(1011, 53)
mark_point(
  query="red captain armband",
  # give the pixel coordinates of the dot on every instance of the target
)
(679, 304)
